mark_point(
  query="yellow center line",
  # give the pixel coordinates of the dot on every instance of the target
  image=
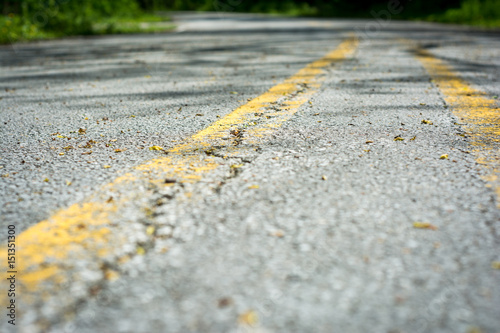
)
(480, 115)
(50, 252)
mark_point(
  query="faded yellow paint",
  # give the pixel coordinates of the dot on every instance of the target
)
(48, 249)
(478, 114)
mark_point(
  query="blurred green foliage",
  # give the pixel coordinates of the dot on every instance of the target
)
(31, 19)
(475, 12)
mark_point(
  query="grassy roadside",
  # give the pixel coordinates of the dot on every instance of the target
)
(485, 13)
(14, 29)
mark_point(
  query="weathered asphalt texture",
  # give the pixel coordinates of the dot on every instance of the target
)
(302, 252)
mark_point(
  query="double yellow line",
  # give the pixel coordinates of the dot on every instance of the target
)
(88, 232)
(479, 115)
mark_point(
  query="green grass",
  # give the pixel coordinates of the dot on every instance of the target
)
(14, 29)
(484, 13)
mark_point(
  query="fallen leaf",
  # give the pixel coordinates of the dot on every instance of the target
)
(119, 150)
(248, 318)
(225, 302)
(112, 140)
(253, 186)
(150, 230)
(82, 130)
(68, 183)
(140, 251)
(427, 122)
(474, 330)
(369, 141)
(111, 275)
(46, 180)
(87, 153)
(236, 166)
(444, 157)
(61, 136)
(155, 148)
(278, 233)
(61, 154)
(236, 132)
(199, 114)
(5, 175)
(398, 138)
(424, 225)
(106, 166)
(413, 139)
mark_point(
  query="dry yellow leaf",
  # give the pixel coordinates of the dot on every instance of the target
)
(150, 230)
(398, 138)
(111, 275)
(444, 157)
(248, 318)
(140, 251)
(236, 166)
(424, 225)
(68, 183)
(278, 233)
(61, 154)
(155, 148)
(106, 166)
(427, 122)
(253, 186)
(474, 330)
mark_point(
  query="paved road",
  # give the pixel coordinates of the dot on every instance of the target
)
(357, 195)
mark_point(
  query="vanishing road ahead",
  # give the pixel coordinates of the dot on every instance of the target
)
(253, 174)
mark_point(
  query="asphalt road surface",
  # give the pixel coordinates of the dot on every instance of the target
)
(253, 174)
